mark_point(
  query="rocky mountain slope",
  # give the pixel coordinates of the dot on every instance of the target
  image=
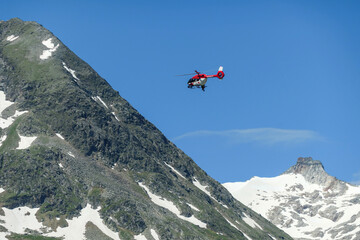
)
(305, 202)
(77, 161)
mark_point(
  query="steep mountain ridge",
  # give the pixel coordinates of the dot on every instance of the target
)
(305, 201)
(72, 146)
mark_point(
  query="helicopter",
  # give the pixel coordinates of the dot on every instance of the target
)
(200, 79)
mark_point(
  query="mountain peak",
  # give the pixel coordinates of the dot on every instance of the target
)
(305, 165)
(314, 172)
(307, 160)
(16, 19)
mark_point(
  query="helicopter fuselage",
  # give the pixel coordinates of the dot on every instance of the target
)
(197, 82)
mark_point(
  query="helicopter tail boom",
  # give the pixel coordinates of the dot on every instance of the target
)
(220, 74)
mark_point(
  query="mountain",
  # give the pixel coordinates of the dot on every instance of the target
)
(305, 202)
(77, 161)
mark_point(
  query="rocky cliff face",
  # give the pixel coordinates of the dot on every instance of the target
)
(305, 202)
(313, 171)
(76, 159)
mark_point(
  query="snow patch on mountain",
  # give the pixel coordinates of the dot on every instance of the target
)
(154, 234)
(51, 48)
(232, 224)
(20, 220)
(59, 135)
(193, 207)
(249, 221)
(201, 187)
(6, 122)
(204, 189)
(25, 142)
(249, 238)
(72, 72)
(48, 43)
(113, 113)
(17, 220)
(76, 228)
(102, 102)
(97, 98)
(4, 104)
(140, 237)
(272, 237)
(2, 139)
(174, 170)
(162, 202)
(113, 167)
(12, 38)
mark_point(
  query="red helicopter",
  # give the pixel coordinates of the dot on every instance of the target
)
(200, 79)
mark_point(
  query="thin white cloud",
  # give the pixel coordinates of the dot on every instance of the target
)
(259, 135)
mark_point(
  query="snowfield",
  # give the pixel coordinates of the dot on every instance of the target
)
(17, 220)
(76, 228)
(302, 209)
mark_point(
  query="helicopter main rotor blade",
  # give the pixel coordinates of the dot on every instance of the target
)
(185, 74)
(196, 72)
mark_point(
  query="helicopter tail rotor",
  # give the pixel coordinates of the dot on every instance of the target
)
(220, 73)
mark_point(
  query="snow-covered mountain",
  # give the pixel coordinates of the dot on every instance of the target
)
(305, 202)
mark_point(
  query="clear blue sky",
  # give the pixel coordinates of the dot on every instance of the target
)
(292, 75)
